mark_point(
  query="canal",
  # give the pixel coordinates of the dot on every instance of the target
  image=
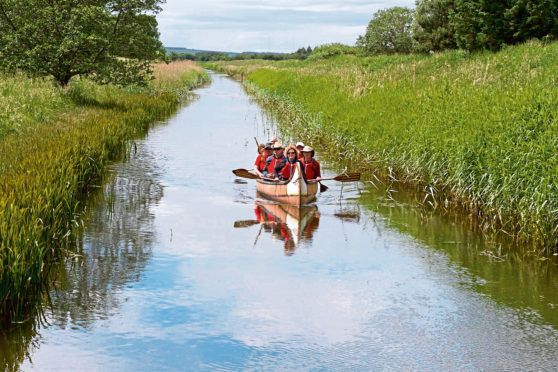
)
(182, 267)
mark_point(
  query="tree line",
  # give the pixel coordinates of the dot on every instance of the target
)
(436, 25)
(301, 53)
(116, 41)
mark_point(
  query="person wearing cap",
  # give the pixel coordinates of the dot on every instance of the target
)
(261, 160)
(299, 147)
(285, 168)
(272, 140)
(274, 159)
(310, 166)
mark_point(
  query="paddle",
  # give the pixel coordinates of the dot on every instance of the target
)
(345, 177)
(245, 223)
(244, 173)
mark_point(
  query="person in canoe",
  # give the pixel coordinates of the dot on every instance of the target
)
(285, 168)
(299, 147)
(310, 166)
(261, 161)
(274, 159)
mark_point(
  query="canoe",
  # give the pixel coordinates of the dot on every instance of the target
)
(296, 191)
(292, 223)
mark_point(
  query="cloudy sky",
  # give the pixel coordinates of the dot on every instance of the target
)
(265, 25)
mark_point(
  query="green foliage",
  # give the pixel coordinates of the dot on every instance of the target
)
(301, 53)
(331, 50)
(109, 41)
(49, 159)
(484, 24)
(473, 133)
(432, 28)
(388, 32)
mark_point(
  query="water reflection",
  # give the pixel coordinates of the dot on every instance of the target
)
(188, 289)
(111, 253)
(15, 347)
(506, 274)
(287, 223)
(115, 247)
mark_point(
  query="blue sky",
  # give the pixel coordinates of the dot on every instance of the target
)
(263, 25)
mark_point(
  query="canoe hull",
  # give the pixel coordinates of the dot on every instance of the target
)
(295, 192)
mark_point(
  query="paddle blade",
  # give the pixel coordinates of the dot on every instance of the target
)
(245, 223)
(347, 177)
(245, 174)
(323, 188)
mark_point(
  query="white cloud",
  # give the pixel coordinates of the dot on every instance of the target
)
(263, 25)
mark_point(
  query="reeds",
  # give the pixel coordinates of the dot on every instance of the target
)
(180, 76)
(475, 133)
(48, 169)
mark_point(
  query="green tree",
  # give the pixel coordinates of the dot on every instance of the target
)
(533, 19)
(388, 32)
(467, 22)
(486, 24)
(111, 41)
(432, 28)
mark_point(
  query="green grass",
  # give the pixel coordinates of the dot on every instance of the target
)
(56, 144)
(476, 133)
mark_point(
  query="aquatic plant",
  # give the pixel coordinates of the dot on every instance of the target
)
(473, 132)
(48, 167)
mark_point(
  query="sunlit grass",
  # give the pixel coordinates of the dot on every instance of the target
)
(56, 144)
(178, 76)
(477, 133)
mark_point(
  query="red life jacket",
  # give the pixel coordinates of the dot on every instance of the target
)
(288, 170)
(260, 162)
(273, 163)
(312, 169)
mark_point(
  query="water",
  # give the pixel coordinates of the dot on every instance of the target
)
(181, 266)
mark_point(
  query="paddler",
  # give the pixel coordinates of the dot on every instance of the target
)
(274, 159)
(310, 166)
(285, 168)
(299, 147)
(261, 160)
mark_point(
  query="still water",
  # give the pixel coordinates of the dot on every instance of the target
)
(183, 267)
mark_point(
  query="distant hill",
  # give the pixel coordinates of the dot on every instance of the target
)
(195, 51)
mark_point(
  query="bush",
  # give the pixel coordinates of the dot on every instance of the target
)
(331, 50)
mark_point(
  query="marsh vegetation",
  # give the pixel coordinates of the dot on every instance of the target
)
(473, 132)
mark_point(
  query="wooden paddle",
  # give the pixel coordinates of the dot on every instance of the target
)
(245, 223)
(245, 173)
(345, 177)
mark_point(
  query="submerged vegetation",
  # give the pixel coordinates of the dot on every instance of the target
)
(474, 132)
(55, 144)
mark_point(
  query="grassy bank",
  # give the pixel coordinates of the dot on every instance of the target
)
(55, 145)
(476, 133)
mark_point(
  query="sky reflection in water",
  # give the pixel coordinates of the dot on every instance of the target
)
(172, 281)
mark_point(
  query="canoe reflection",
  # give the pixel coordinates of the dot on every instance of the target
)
(287, 223)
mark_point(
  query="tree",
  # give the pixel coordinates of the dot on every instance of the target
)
(388, 32)
(533, 19)
(111, 41)
(467, 22)
(486, 24)
(432, 28)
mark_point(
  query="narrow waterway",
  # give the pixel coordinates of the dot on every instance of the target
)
(182, 267)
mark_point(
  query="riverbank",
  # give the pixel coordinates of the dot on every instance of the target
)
(54, 147)
(475, 134)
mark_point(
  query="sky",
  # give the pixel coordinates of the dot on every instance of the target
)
(266, 25)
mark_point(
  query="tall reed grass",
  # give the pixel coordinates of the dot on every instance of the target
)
(47, 169)
(476, 133)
